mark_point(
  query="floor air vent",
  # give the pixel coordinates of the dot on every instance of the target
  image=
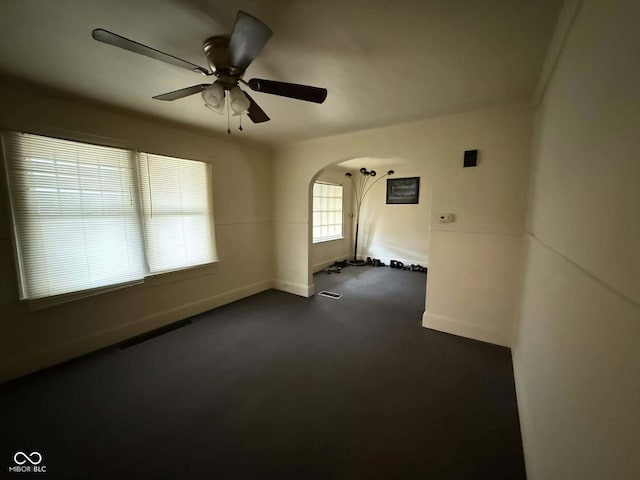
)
(333, 295)
(153, 334)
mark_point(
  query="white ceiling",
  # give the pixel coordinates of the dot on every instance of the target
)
(382, 61)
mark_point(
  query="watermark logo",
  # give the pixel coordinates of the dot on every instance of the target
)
(28, 463)
(21, 458)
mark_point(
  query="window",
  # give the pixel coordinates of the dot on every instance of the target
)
(327, 212)
(89, 217)
(176, 206)
(75, 215)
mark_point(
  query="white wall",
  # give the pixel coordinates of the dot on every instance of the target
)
(577, 355)
(30, 340)
(398, 232)
(463, 296)
(324, 254)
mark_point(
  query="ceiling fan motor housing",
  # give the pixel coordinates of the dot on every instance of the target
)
(216, 50)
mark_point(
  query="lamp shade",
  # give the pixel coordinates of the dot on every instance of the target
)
(238, 101)
(213, 97)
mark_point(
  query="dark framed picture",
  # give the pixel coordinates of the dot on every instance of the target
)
(403, 190)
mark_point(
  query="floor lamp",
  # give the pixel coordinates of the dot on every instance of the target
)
(360, 190)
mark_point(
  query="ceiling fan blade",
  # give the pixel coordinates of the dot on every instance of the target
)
(290, 90)
(183, 92)
(248, 37)
(117, 41)
(255, 113)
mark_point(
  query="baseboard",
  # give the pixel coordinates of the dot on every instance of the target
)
(39, 359)
(464, 329)
(522, 396)
(295, 288)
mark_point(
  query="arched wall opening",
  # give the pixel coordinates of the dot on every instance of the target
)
(386, 231)
(475, 262)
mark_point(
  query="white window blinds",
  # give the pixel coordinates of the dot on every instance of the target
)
(327, 212)
(89, 218)
(177, 212)
(75, 215)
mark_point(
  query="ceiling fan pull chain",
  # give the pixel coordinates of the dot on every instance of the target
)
(228, 118)
(240, 128)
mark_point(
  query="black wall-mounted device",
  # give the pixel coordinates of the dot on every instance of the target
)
(470, 158)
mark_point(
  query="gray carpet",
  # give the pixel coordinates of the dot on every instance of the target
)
(278, 386)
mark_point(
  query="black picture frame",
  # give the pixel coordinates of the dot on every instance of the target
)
(403, 190)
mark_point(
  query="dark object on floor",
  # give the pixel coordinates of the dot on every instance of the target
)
(396, 264)
(375, 262)
(358, 263)
(413, 267)
(279, 386)
(337, 266)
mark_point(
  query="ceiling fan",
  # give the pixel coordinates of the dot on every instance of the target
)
(228, 57)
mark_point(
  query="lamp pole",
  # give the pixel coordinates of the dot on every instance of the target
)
(360, 190)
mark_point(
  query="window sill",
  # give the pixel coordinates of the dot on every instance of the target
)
(53, 300)
(170, 276)
(149, 281)
(325, 240)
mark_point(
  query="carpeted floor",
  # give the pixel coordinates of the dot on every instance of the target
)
(283, 387)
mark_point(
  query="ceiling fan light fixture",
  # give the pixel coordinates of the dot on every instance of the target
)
(213, 109)
(238, 101)
(213, 97)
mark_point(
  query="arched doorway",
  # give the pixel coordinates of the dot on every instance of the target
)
(388, 232)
